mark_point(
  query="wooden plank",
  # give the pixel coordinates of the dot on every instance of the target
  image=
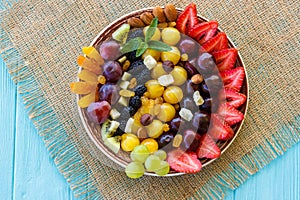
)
(36, 176)
(7, 132)
(279, 180)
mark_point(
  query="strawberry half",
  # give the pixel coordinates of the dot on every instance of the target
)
(208, 148)
(216, 43)
(204, 31)
(225, 58)
(186, 162)
(234, 98)
(220, 129)
(187, 19)
(233, 78)
(230, 114)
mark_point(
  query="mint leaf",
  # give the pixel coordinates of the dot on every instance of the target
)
(132, 45)
(158, 46)
(151, 29)
(141, 49)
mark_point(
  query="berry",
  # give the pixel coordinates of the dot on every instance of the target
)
(131, 56)
(204, 31)
(189, 47)
(109, 50)
(173, 55)
(201, 121)
(161, 154)
(208, 148)
(99, 111)
(152, 163)
(140, 90)
(131, 110)
(109, 93)
(136, 67)
(135, 170)
(234, 98)
(230, 114)
(216, 43)
(135, 102)
(225, 58)
(151, 144)
(164, 168)
(173, 94)
(186, 162)
(187, 19)
(155, 129)
(170, 36)
(154, 89)
(165, 139)
(119, 131)
(191, 140)
(176, 123)
(143, 76)
(156, 35)
(179, 75)
(167, 112)
(112, 71)
(140, 153)
(220, 130)
(206, 63)
(129, 141)
(233, 78)
(159, 70)
(134, 33)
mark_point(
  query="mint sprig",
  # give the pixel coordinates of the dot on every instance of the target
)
(142, 44)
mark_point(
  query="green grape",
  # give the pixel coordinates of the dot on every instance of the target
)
(135, 170)
(152, 163)
(140, 153)
(161, 154)
(163, 169)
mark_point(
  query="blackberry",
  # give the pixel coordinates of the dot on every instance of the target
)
(137, 67)
(122, 124)
(131, 56)
(140, 90)
(135, 102)
(131, 110)
(143, 77)
(119, 131)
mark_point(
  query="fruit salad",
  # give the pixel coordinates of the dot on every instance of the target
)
(165, 89)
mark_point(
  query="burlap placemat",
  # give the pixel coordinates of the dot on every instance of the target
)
(40, 41)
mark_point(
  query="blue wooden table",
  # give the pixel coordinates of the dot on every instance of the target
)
(28, 172)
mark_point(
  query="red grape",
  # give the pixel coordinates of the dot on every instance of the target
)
(112, 71)
(98, 111)
(109, 50)
(110, 93)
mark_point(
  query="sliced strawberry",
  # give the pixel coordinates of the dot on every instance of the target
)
(234, 98)
(187, 19)
(225, 58)
(230, 114)
(220, 129)
(216, 43)
(186, 162)
(193, 19)
(204, 31)
(208, 148)
(233, 78)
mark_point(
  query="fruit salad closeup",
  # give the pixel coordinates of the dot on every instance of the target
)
(165, 90)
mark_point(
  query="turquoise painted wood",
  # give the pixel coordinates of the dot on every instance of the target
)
(28, 172)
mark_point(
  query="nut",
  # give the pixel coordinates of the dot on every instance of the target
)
(170, 12)
(159, 13)
(135, 22)
(142, 133)
(177, 140)
(197, 78)
(146, 17)
(146, 119)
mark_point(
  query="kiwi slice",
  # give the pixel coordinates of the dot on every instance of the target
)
(121, 33)
(113, 143)
(108, 129)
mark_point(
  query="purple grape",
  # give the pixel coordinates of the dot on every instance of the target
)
(112, 71)
(175, 124)
(206, 63)
(164, 139)
(98, 111)
(191, 140)
(109, 50)
(189, 47)
(110, 93)
(189, 103)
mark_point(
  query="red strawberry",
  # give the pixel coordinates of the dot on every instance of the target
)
(204, 31)
(234, 98)
(230, 114)
(193, 19)
(233, 78)
(186, 162)
(208, 148)
(216, 43)
(225, 58)
(220, 129)
(187, 19)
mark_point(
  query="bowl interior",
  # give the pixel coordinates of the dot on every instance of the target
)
(122, 158)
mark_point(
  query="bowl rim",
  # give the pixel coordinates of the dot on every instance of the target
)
(115, 158)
